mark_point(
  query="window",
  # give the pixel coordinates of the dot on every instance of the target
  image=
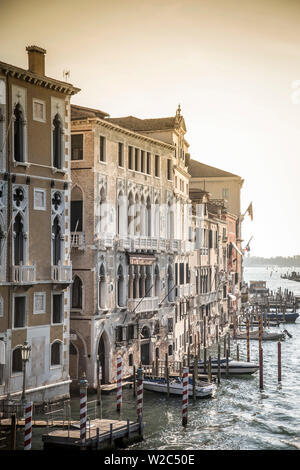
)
(17, 363)
(20, 312)
(39, 110)
(102, 149)
(119, 334)
(148, 163)
(57, 142)
(225, 193)
(156, 173)
(39, 199)
(18, 134)
(56, 242)
(1, 306)
(77, 293)
(142, 161)
(121, 154)
(170, 325)
(181, 273)
(57, 308)
(136, 159)
(77, 147)
(130, 156)
(169, 176)
(130, 332)
(56, 356)
(130, 360)
(76, 216)
(102, 287)
(39, 302)
(170, 350)
(19, 241)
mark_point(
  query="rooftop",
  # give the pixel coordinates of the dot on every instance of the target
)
(81, 112)
(200, 170)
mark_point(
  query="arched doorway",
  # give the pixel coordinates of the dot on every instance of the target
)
(103, 352)
(145, 345)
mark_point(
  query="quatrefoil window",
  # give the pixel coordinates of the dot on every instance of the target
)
(56, 200)
(18, 196)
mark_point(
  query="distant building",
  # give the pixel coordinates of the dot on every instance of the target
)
(35, 267)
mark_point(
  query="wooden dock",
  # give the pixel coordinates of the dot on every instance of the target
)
(100, 434)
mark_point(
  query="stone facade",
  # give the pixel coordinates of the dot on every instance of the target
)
(34, 217)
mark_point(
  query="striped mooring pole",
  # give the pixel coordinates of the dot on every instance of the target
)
(185, 396)
(119, 383)
(28, 426)
(83, 407)
(139, 394)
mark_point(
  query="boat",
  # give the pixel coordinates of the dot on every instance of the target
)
(203, 389)
(266, 336)
(287, 317)
(234, 367)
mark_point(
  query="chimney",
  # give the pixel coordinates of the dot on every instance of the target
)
(36, 59)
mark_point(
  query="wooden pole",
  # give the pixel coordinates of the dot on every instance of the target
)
(224, 345)
(204, 360)
(228, 341)
(13, 432)
(261, 376)
(279, 360)
(98, 382)
(194, 381)
(227, 363)
(209, 378)
(167, 374)
(248, 339)
(134, 381)
(219, 363)
(119, 383)
(237, 352)
(185, 396)
(168, 383)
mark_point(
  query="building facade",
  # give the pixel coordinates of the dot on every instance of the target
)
(35, 271)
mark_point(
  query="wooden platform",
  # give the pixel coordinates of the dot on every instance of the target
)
(112, 433)
(107, 388)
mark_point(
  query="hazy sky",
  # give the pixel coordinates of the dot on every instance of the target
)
(231, 64)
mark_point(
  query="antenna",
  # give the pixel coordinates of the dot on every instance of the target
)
(66, 75)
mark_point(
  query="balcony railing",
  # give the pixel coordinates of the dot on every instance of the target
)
(208, 298)
(23, 274)
(105, 240)
(146, 305)
(61, 273)
(77, 240)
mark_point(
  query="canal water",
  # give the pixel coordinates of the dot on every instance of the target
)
(240, 416)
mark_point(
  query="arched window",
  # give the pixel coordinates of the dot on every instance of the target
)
(157, 219)
(17, 364)
(130, 360)
(19, 240)
(102, 212)
(136, 282)
(149, 228)
(170, 350)
(102, 287)
(121, 287)
(56, 353)
(156, 282)
(18, 134)
(145, 333)
(148, 281)
(171, 287)
(130, 214)
(57, 142)
(137, 216)
(76, 210)
(56, 242)
(142, 282)
(77, 293)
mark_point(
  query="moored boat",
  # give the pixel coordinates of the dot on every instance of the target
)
(289, 317)
(202, 389)
(266, 336)
(234, 367)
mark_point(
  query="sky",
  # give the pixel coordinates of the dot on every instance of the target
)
(234, 67)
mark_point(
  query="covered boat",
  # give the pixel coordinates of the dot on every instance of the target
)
(234, 367)
(203, 389)
(289, 317)
(266, 336)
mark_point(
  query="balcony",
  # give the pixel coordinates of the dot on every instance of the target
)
(148, 304)
(184, 290)
(23, 274)
(105, 240)
(123, 243)
(144, 243)
(208, 298)
(78, 240)
(61, 273)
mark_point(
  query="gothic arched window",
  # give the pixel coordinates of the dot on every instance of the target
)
(120, 289)
(77, 293)
(56, 242)
(19, 241)
(17, 364)
(18, 134)
(56, 353)
(57, 142)
(102, 287)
